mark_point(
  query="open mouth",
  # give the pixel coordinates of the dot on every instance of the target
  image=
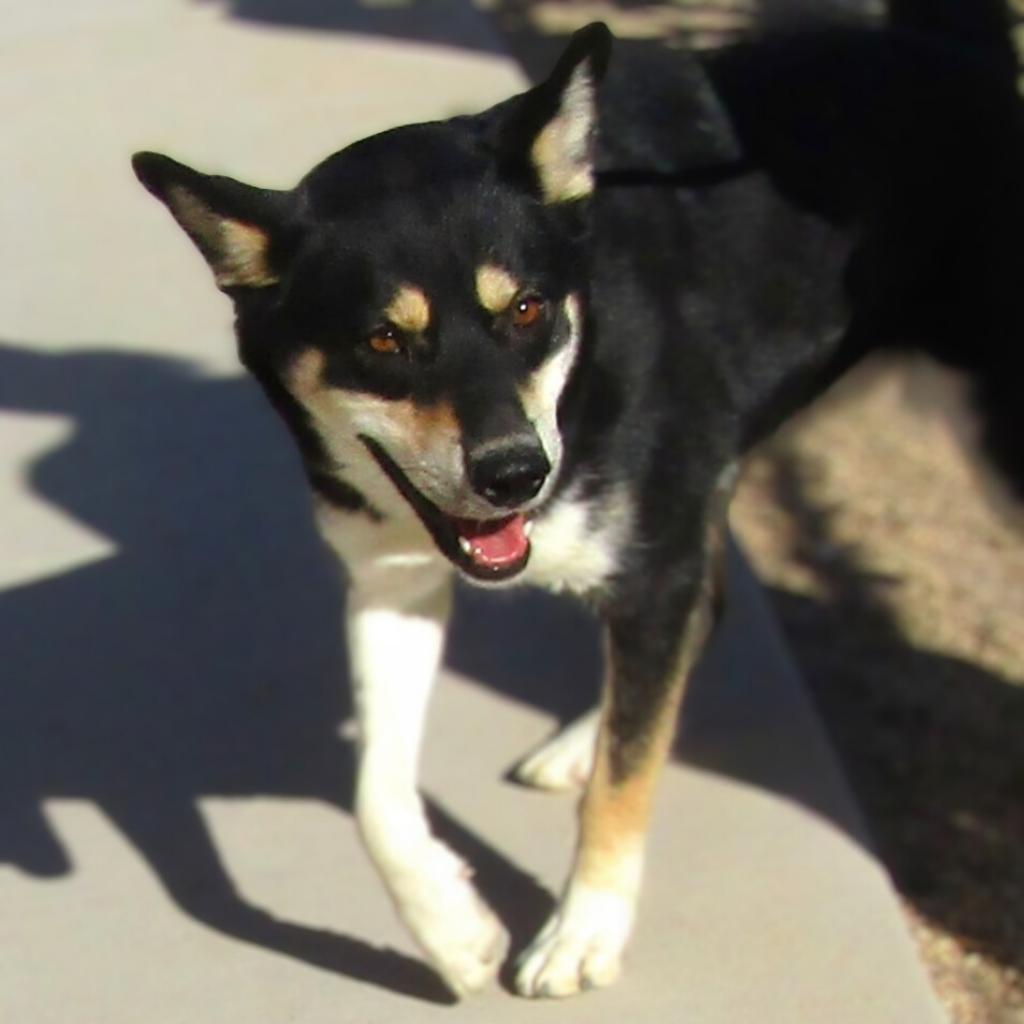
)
(489, 550)
(495, 545)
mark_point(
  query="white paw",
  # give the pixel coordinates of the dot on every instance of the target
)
(460, 934)
(565, 761)
(579, 948)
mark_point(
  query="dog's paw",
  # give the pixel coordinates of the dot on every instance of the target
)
(580, 947)
(563, 762)
(469, 949)
(460, 934)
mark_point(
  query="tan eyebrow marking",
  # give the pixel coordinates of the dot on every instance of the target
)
(495, 288)
(409, 310)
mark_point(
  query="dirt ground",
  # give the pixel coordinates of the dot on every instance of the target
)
(898, 575)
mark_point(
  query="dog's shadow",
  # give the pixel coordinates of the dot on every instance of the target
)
(203, 657)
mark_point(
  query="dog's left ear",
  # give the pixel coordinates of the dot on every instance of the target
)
(548, 134)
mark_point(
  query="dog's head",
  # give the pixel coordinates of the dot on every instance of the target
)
(414, 305)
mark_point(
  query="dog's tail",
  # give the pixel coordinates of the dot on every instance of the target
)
(982, 26)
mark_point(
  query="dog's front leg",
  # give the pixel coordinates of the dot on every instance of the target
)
(652, 648)
(396, 622)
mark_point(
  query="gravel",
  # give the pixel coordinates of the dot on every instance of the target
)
(897, 571)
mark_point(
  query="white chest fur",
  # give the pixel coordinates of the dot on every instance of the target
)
(577, 544)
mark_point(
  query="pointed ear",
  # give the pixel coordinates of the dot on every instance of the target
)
(237, 228)
(549, 133)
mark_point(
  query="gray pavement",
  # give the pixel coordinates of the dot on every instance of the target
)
(175, 842)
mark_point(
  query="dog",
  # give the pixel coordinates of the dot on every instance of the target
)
(532, 345)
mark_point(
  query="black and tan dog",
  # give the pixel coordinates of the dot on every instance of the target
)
(530, 346)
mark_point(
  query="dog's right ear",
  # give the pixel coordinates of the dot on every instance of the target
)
(239, 229)
(547, 136)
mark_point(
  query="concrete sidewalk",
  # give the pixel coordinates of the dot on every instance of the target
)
(175, 842)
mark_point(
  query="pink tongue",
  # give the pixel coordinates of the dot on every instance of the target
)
(495, 543)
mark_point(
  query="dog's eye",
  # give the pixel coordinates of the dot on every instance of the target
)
(385, 340)
(527, 310)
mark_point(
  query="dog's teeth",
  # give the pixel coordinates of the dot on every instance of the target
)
(528, 527)
(465, 545)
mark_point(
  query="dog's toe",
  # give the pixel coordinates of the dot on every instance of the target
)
(469, 953)
(460, 934)
(566, 965)
(577, 950)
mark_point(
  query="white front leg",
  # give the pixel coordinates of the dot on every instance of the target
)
(396, 621)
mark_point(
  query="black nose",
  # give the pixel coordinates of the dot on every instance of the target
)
(508, 475)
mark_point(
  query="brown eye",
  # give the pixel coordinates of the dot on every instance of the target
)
(526, 310)
(385, 340)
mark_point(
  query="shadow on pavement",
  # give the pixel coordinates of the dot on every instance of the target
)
(535, 31)
(931, 742)
(203, 658)
(451, 23)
